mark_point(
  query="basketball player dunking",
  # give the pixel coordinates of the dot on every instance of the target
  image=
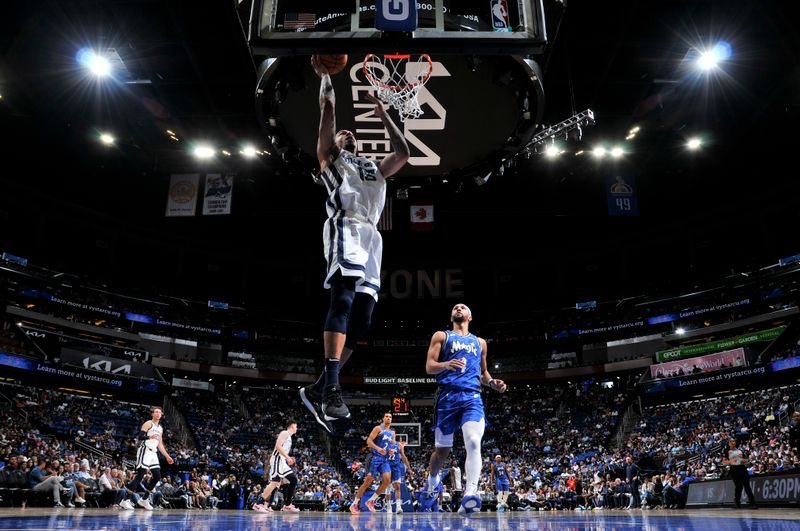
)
(356, 188)
(380, 439)
(150, 443)
(458, 359)
(280, 468)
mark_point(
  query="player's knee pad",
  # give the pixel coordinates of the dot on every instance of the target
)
(342, 294)
(360, 319)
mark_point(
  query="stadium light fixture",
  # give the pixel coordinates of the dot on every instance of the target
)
(694, 144)
(248, 151)
(680, 331)
(107, 139)
(204, 152)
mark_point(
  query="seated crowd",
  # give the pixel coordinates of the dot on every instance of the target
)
(65, 449)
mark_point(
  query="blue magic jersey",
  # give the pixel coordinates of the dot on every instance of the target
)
(500, 472)
(465, 347)
(383, 440)
(393, 455)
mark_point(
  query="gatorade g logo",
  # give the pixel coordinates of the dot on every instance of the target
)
(396, 9)
(396, 15)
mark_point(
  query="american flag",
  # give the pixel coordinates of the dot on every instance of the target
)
(385, 222)
(299, 21)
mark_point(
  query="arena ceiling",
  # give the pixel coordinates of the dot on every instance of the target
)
(71, 202)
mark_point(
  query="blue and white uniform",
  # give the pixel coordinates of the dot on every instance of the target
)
(356, 197)
(380, 463)
(458, 399)
(396, 463)
(501, 477)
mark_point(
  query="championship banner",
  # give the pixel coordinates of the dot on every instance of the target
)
(710, 363)
(218, 194)
(182, 195)
(723, 344)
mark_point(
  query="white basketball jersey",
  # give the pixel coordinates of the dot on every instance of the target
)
(155, 429)
(287, 445)
(356, 186)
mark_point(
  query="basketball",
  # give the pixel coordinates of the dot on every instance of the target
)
(333, 63)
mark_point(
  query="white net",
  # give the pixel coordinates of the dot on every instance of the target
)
(397, 79)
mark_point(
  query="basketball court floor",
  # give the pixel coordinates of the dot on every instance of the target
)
(700, 519)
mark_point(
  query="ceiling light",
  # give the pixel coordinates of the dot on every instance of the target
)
(203, 152)
(249, 151)
(552, 151)
(616, 152)
(99, 65)
(694, 143)
(599, 152)
(226, 153)
(170, 133)
(106, 139)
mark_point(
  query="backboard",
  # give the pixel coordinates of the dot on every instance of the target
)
(410, 432)
(297, 27)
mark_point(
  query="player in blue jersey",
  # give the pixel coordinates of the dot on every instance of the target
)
(356, 194)
(379, 440)
(499, 475)
(400, 468)
(458, 359)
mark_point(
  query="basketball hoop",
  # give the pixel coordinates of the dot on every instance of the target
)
(397, 79)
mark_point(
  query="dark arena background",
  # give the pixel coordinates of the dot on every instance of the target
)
(611, 187)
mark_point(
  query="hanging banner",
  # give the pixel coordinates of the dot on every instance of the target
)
(182, 195)
(421, 217)
(717, 346)
(621, 194)
(218, 194)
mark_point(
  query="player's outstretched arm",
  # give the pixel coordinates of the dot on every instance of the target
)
(486, 378)
(399, 156)
(326, 146)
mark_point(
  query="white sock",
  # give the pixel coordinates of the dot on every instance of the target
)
(473, 433)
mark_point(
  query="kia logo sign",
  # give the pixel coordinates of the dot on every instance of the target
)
(106, 366)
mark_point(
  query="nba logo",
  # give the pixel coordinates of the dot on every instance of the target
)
(500, 20)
